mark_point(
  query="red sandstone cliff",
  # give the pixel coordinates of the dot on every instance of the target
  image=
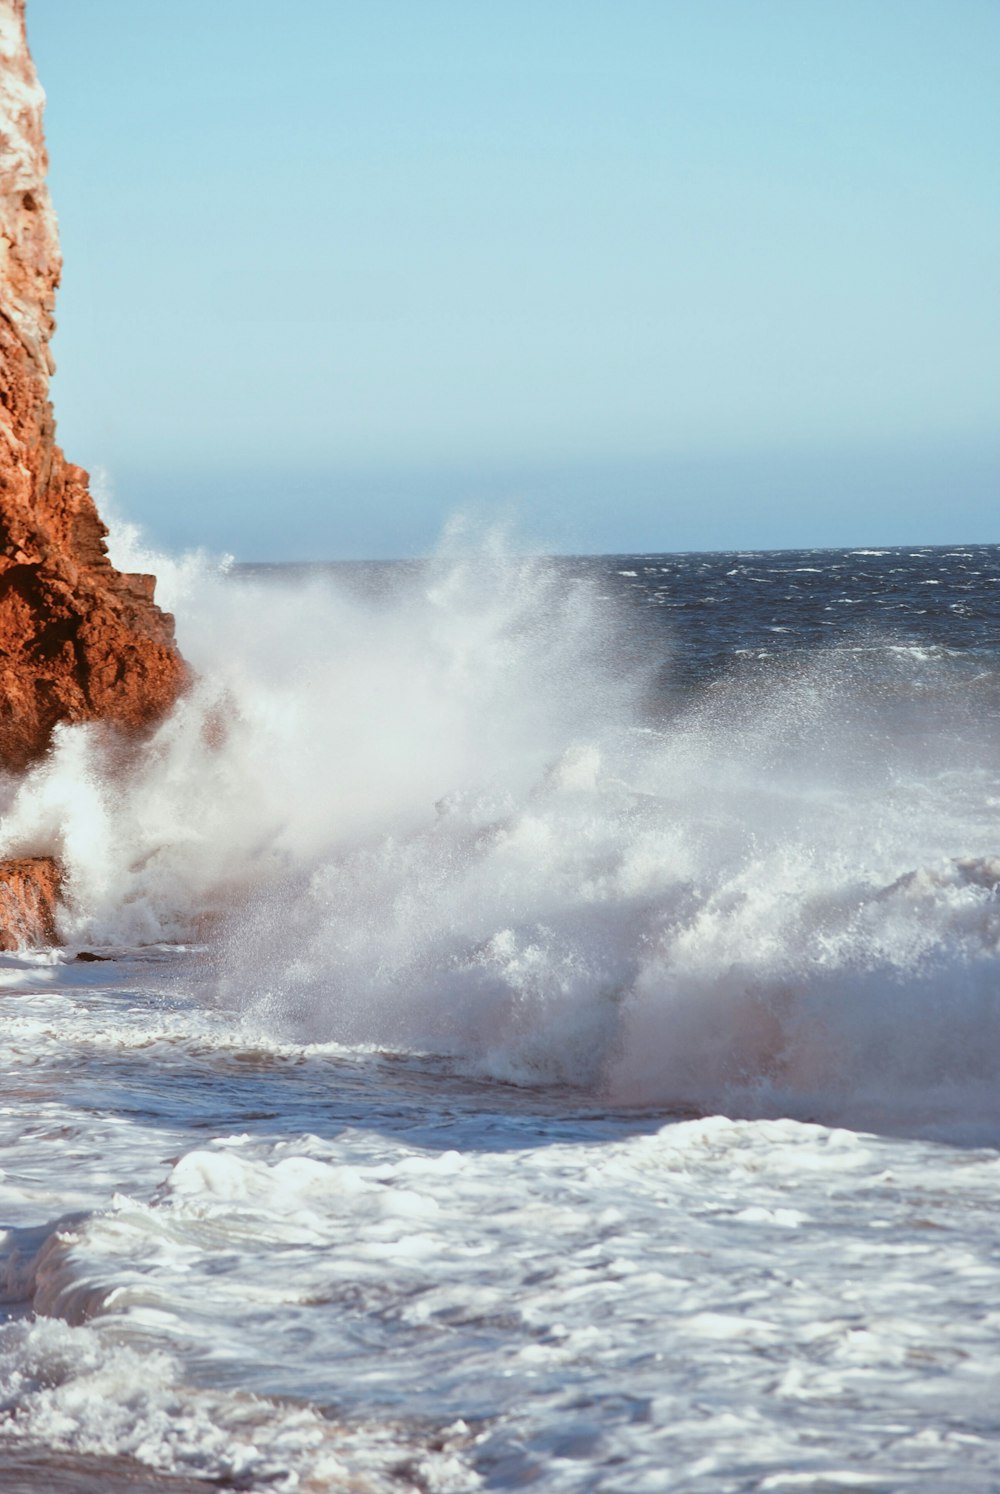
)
(29, 896)
(78, 639)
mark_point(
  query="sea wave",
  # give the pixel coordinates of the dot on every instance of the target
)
(463, 819)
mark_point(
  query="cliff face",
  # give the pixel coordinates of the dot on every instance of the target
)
(78, 639)
(29, 897)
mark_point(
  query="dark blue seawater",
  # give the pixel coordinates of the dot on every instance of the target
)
(720, 607)
(754, 613)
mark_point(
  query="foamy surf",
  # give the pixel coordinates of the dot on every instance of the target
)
(450, 821)
(512, 1066)
(441, 1287)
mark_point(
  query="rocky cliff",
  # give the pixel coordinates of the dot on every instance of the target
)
(29, 898)
(78, 639)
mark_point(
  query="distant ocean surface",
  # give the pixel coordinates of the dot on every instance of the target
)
(546, 1034)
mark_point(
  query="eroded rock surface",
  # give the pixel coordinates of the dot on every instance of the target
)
(78, 639)
(29, 894)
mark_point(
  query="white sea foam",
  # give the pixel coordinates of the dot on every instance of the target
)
(76, 1390)
(445, 821)
(554, 1312)
(266, 1241)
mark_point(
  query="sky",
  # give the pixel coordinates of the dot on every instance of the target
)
(623, 274)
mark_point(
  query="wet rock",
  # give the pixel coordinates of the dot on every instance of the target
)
(29, 895)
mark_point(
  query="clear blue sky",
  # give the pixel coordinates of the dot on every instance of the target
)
(656, 274)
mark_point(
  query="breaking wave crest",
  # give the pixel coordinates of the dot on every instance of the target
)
(461, 818)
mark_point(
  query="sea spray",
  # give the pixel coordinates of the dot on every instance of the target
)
(319, 718)
(302, 1234)
(467, 816)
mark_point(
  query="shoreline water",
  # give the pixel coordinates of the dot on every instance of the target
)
(593, 1070)
(39, 1470)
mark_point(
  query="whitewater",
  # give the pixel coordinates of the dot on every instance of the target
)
(546, 1033)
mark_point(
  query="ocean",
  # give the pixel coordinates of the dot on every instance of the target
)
(545, 1032)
